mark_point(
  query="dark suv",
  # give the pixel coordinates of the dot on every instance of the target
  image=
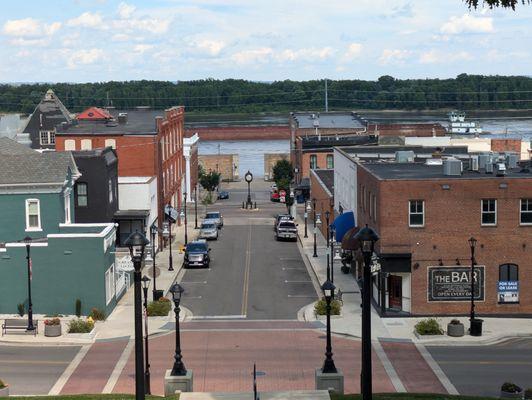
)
(197, 254)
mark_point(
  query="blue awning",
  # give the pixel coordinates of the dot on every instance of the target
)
(342, 224)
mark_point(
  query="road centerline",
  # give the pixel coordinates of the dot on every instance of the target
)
(245, 290)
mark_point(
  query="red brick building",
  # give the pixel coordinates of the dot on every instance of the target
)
(322, 195)
(425, 217)
(147, 142)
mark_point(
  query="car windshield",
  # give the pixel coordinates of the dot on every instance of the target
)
(207, 226)
(287, 225)
(196, 247)
(212, 215)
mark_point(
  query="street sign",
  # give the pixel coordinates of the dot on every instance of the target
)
(282, 196)
(508, 291)
(170, 213)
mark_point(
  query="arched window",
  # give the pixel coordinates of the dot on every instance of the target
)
(313, 161)
(110, 143)
(70, 145)
(86, 144)
(330, 161)
(508, 272)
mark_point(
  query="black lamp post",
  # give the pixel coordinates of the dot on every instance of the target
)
(179, 367)
(145, 283)
(327, 216)
(153, 232)
(472, 243)
(186, 230)
(331, 251)
(249, 178)
(307, 210)
(328, 292)
(317, 223)
(137, 244)
(27, 241)
(196, 206)
(314, 210)
(167, 233)
(366, 238)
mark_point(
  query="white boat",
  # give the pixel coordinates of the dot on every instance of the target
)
(459, 126)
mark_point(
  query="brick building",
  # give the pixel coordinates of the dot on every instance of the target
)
(407, 130)
(425, 215)
(322, 191)
(225, 164)
(148, 143)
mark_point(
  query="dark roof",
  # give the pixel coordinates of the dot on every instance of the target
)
(12, 147)
(53, 111)
(327, 142)
(332, 120)
(107, 153)
(422, 171)
(389, 151)
(327, 178)
(131, 214)
(139, 122)
(46, 167)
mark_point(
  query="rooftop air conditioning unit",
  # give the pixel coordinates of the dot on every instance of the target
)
(489, 168)
(473, 163)
(483, 160)
(404, 156)
(501, 169)
(122, 118)
(511, 160)
(452, 167)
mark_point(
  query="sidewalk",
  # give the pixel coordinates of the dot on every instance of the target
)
(349, 323)
(120, 324)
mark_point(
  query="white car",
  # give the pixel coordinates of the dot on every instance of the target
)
(208, 230)
(216, 216)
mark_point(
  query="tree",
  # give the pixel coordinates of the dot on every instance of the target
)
(209, 181)
(283, 173)
(497, 3)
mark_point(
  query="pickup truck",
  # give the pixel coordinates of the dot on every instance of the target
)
(286, 230)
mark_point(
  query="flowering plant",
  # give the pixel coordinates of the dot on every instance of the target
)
(53, 321)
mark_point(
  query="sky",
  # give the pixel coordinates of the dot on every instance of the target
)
(102, 40)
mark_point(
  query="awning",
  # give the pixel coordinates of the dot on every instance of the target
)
(342, 224)
(304, 184)
(131, 214)
(348, 240)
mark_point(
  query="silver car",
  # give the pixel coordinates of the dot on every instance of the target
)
(208, 230)
(217, 216)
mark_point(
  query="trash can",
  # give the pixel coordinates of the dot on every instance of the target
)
(158, 294)
(476, 327)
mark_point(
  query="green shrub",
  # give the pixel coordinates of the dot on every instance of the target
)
(97, 314)
(528, 393)
(510, 387)
(78, 308)
(428, 326)
(53, 316)
(21, 309)
(321, 305)
(80, 326)
(2, 384)
(159, 308)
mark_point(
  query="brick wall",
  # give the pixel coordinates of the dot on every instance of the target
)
(270, 159)
(415, 130)
(321, 158)
(324, 202)
(451, 217)
(223, 163)
(501, 145)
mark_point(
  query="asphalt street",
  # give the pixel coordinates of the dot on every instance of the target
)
(481, 370)
(34, 369)
(251, 274)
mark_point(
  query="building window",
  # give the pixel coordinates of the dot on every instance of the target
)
(81, 194)
(47, 137)
(508, 272)
(313, 161)
(86, 144)
(489, 212)
(508, 286)
(67, 207)
(70, 145)
(109, 284)
(33, 215)
(416, 214)
(526, 212)
(110, 143)
(330, 161)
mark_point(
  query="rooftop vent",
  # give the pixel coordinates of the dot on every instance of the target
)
(404, 156)
(511, 160)
(122, 118)
(434, 161)
(483, 160)
(489, 168)
(452, 167)
(473, 163)
(500, 169)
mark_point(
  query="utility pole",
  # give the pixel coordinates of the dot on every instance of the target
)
(326, 97)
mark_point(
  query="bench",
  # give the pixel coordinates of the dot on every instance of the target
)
(19, 324)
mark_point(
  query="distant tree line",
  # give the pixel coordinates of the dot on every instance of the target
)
(231, 95)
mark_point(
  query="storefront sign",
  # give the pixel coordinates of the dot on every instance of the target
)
(454, 283)
(508, 291)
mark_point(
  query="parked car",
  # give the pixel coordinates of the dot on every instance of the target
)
(208, 230)
(286, 230)
(223, 195)
(216, 216)
(281, 217)
(274, 196)
(197, 254)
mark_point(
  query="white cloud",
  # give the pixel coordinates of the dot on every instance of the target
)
(467, 24)
(125, 10)
(211, 47)
(84, 57)
(259, 55)
(120, 37)
(437, 57)
(87, 20)
(311, 54)
(142, 48)
(394, 56)
(151, 25)
(30, 27)
(352, 52)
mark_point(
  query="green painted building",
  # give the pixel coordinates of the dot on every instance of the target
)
(69, 261)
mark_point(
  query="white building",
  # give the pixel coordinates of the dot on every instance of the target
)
(190, 152)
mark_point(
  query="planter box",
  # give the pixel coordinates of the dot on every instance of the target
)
(4, 392)
(455, 330)
(52, 330)
(428, 336)
(85, 336)
(508, 395)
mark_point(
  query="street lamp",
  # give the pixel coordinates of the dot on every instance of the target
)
(145, 283)
(153, 232)
(317, 223)
(314, 210)
(185, 215)
(167, 233)
(366, 238)
(249, 178)
(179, 367)
(27, 241)
(308, 209)
(327, 216)
(472, 243)
(137, 244)
(331, 252)
(196, 206)
(328, 292)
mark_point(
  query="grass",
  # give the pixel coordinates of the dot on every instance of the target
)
(405, 396)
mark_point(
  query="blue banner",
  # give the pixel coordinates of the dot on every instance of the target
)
(342, 224)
